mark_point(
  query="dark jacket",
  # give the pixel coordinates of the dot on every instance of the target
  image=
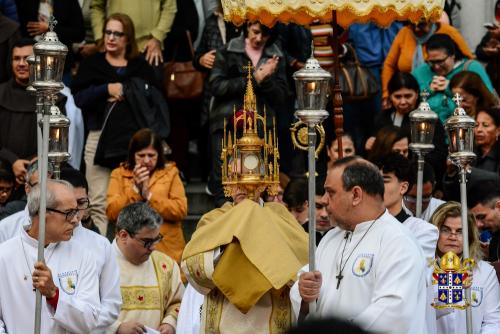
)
(186, 18)
(492, 62)
(228, 81)
(9, 34)
(451, 184)
(69, 17)
(144, 107)
(211, 39)
(437, 157)
(95, 73)
(491, 161)
(18, 128)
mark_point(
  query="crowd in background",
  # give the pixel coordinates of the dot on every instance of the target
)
(134, 139)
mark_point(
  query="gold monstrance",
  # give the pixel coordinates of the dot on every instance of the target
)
(250, 163)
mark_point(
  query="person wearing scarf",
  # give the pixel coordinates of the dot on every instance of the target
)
(408, 51)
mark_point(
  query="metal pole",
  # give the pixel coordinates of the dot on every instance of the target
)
(39, 113)
(312, 206)
(465, 236)
(43, 161)
(420, 184)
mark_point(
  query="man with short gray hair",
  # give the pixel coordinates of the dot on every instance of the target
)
(150, 281)
(67, 279)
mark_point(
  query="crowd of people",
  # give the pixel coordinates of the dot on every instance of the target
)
(116, 258)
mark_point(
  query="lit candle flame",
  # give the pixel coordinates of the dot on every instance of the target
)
(311, 87)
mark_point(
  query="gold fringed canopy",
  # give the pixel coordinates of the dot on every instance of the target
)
(302, 12)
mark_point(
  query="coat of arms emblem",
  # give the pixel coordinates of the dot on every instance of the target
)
(68, 281)
(451, 276)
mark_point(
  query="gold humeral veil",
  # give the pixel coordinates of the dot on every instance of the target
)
(264, 249)
(303, 12)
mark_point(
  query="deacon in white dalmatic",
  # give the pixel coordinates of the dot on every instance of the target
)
(67, 281)
(150, 281)
(370, 269)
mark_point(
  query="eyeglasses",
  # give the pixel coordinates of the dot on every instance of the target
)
(413, 199)
(438, 62)
(147, 243)
(116, 34)
(83, 203)
(68, 214)
(446, 232)
(6, 189)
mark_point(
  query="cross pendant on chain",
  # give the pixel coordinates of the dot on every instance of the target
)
(339, 278)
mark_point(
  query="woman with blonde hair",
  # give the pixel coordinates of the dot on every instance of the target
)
(485, 289)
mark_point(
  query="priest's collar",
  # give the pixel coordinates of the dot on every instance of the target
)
(28, 240)
(402, 216)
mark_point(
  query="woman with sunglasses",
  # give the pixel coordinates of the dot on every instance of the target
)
(147, 177)
(444, 61)
(98, 89)
(485, 289)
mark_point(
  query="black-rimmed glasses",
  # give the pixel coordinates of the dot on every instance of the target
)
(68, 214)
(147, 243)
(437, 62)
(116, 34)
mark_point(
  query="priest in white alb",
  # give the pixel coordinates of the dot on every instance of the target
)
(67, 281)
(370, 269)
(106, 267)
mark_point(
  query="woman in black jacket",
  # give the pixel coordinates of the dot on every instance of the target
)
(228, 82)
(98, 89)
(404, 96)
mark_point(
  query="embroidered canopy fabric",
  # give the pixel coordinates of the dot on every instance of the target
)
(303, 12)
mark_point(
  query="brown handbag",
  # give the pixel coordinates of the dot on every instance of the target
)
(356, 81)
(181, 80)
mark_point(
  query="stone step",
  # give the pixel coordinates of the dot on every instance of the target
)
(199, 202)
(189, 226)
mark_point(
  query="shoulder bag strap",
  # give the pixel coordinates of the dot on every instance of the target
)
(190, 41)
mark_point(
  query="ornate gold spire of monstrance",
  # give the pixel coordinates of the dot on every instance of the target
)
(249, 161)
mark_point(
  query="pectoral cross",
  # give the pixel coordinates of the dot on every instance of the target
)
(339, 278)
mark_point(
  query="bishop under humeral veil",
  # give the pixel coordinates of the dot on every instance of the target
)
(244, 256)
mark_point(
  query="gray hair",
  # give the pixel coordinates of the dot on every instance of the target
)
(136, 216)
(52, 201)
